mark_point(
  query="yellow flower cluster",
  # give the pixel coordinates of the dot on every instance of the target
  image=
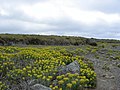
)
(2, 86)
(42, 64)
(70, 81)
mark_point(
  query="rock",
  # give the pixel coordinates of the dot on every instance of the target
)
(102, 52)
(73, 67)
(112, 57)
(10, 44)
(108, 76)
(112, 77)
(114, 63)
(39, 87)
(118, 65)
(1, 44)
(32, 82)
(105, 75)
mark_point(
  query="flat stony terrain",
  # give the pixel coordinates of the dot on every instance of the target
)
(107, 67)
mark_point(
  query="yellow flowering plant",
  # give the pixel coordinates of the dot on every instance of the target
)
(27, 63)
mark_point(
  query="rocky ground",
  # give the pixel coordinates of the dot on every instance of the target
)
(106, 80)
(107, 68)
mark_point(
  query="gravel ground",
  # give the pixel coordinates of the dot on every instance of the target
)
(108, 73)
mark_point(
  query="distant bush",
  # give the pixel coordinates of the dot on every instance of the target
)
(27, 39)
(91, 42)
(11, 39)
(2, 42)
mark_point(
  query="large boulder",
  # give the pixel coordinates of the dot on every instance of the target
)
(73, 67)
(39, 87)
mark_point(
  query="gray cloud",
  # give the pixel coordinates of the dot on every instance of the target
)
(20, 1)
(63, 27)
(18, 22)
(108, 6)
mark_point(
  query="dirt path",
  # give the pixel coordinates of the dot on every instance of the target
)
(106, 79)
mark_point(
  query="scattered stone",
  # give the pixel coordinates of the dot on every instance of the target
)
(112, 57)
(102, 52)
(112, 77)
(73, 67)
(108, 76)
(39, 87)
(118, 65)
(105, 75)
(114, 63)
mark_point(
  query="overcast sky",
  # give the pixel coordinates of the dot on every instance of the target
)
(87, 18)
